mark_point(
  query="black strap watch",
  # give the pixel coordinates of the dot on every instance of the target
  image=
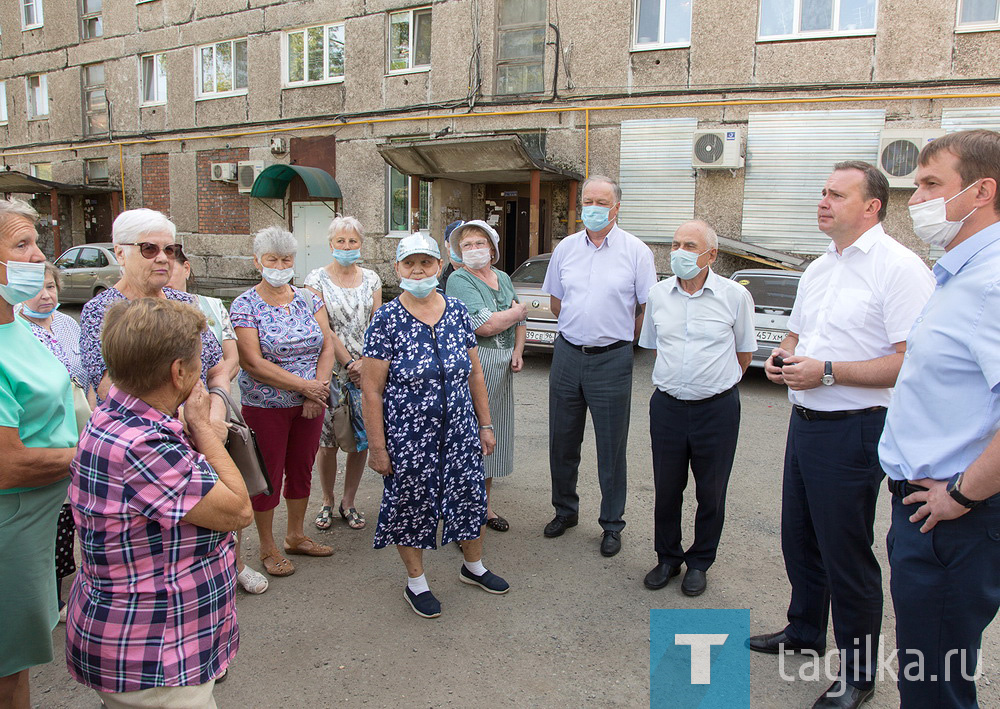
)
(827, 379)
(954, 489)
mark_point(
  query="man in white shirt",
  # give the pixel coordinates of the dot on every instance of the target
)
(701, 326)
(847, 336)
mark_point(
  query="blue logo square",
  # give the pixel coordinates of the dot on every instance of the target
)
(697, 659)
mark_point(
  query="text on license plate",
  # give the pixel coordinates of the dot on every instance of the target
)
(775, 336)
(543, 336)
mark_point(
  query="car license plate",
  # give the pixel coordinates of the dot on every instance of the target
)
(771, 336)
(544, 337)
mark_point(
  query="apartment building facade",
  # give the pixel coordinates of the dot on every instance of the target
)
(495, 109)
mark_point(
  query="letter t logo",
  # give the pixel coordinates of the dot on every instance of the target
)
(701, 653)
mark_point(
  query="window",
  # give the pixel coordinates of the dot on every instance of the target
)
(90, 19)
(662, 23)
(31, 14)
(38, 97)
(3, 101)
(794, 19)
(222, 69)
(67, 259)
(41, 170)
(521, 46)
(95, 105)
(153, 78)
(314, 55)
(974, 15)
(399, 203)
(97, 170)
(91, 258)
(410, 39)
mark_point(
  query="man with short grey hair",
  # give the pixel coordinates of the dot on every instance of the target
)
(598, 280)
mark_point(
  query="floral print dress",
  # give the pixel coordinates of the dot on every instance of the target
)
(432, 433)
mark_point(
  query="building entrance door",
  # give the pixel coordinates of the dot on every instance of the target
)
(310, 224)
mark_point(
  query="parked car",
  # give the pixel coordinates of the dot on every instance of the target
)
(87, 270)
(773, 294)
(528, 279)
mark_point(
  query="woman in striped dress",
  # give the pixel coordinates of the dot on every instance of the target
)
(498, 320)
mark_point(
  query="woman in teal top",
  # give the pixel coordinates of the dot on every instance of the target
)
(38, 437)
(498, 320)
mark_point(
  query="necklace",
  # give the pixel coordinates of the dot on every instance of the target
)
(351, 284)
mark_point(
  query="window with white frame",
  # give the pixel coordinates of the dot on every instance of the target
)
(3, 101)
(521, 46)
(796, 19)
(410, 39)
(31, 14)
(222, 69)
(91, 26)
(41, 170)
(153, 78)
(662, 24)
(97, 171)
(314, 55)
(974, 15)
(95, 104)
(398, 203)
(38, 96)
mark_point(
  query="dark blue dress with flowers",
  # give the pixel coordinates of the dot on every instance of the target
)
(432, 434)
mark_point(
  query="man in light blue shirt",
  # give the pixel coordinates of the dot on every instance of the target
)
(940, 448)
(598, 279)
(701, 326)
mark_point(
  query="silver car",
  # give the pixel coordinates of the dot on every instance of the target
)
(87, 270)
(773, 294)
(528, 279)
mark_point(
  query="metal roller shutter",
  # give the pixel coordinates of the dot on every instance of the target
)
(956, 119)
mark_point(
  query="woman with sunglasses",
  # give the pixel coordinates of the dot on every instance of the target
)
(145, 247)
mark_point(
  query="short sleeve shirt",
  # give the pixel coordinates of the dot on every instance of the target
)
(349, 309)
(64, 342)
(482, 302)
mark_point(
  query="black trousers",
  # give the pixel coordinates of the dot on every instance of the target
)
(704, 436)
(945, 587)
(831, 484)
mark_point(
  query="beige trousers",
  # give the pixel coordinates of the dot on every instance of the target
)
(196, 697)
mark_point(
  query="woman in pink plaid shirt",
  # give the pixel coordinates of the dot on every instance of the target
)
(152, 619)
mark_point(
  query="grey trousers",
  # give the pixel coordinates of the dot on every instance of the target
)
(602, 383)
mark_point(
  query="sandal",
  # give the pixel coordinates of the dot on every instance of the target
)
(277, 565)
(498, 523)
(355, 520)
(252, 581)
(325, 517)
(307, 547)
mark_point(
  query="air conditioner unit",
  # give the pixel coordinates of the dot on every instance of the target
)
(246, 173)
(897, 153)
(224, 171)
(719, 148)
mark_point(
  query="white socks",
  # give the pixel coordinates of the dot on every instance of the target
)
(417, 585)
(475, 567)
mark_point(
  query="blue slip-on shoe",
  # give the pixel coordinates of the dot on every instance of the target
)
(423, 604)
(489, 581)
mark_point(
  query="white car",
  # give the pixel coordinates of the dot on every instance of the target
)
(773, 294)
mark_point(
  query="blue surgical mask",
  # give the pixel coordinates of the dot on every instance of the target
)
(594, 217)
(419, 287)
(345, 257)
(277, 277)
(37, 315)
(455, 258)
(24, 281)
(684, 264)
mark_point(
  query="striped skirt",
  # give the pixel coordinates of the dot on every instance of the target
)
(500, 387)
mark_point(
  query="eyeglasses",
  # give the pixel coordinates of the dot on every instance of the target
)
(150, 250)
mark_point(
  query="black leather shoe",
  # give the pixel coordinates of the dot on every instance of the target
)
(660, 576)
(559, 525)
(773, 643)
(837, 698)
(611, 543)
(694, 582)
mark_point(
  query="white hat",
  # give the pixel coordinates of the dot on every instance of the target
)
(417, 243)
(456, 235)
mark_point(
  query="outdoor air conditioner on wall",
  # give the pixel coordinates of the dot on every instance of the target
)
(719, 148)
(246, 173)
(898, 151)
(224, 171)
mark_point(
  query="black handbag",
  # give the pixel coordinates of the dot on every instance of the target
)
(243, 448)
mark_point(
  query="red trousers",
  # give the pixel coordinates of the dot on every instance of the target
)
(288, 442)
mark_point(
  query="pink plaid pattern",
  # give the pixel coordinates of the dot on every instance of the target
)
(153, 603)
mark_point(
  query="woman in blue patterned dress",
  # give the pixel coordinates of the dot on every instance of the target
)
(428, 421)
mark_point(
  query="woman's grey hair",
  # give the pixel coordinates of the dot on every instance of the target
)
(16, 208)
(341, 223)
(274, 240)
(132, 224)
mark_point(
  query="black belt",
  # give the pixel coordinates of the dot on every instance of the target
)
(811, 415)
(695, 402)
(902, 488)
(590, 349)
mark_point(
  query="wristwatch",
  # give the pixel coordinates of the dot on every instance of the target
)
(954, 489)
(827, 373)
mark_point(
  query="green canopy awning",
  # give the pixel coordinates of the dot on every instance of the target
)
(273, 181)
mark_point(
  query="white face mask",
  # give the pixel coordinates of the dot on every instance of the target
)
(277, 276)
(930, 220)
(476, 258)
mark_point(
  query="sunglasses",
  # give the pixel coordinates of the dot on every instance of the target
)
(150, 250)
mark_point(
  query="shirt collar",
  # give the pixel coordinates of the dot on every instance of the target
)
(863, 243)
(607, 239)
(953, 261)
(711, 284)
(134, 406)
